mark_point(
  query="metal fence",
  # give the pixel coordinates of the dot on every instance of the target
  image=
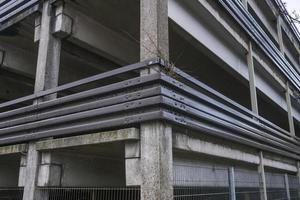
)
(79, 193)
(294, 187)
(11, 193)
(192, 182)
(247, 184)
(198, 182)
(276, 186)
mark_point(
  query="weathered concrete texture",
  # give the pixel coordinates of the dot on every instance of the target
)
(252, 83)
(48, 54)
(50, 173)
(99, 39)
(154, 29)
(188, 143)
(30, 192)
(47, 73)
(95, 138)
(156, 161)
(133, 163)
(13, 149)
(196, 145)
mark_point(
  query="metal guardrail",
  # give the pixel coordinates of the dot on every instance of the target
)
(248, 23)
(178, 98)
(13, 11)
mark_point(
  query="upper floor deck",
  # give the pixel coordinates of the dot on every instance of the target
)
(242, 85)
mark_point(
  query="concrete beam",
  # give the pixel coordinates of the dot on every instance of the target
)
(89, 139)
(183, 142)
(187, 143)
(90, 34)
(13, 149)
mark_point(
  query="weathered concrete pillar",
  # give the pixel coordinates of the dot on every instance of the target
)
(47, 74)
(290, 110)
(252, 84)
(154, 39)
(48, 54)
(279, 34)
(262, 177)
(156, 161)
(28, 180)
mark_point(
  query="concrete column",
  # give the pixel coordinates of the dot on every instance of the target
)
(156, 161)
(231, 178)
(47, 72)
(287, 186)
(290, 110)
(252, 85)
(48, 54)
(279, 33)
(262, 177)
(154, 39)
(31, 173)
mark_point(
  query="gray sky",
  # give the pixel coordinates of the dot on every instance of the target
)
(293, 5)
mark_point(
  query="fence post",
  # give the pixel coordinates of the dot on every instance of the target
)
(262, 177)
(231, 179)
(287, 186)
(298, 175)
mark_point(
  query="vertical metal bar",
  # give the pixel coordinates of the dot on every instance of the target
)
(231, 179)
(287, 186)
(252, 84)
(262, 177)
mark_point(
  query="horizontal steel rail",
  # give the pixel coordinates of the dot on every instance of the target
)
(248, 23)
(179, 99)
(12, 11)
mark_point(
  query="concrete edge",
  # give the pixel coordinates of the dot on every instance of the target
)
(89, 139)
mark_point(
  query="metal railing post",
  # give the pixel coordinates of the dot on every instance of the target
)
(287, 186)
(231, 179)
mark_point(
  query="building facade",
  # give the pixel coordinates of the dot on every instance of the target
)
(149, 99)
